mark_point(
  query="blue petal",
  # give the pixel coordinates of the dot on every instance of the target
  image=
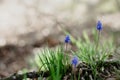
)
(75, 61)
(99, 25)
(67, 39)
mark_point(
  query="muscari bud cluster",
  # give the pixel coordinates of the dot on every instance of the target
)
(67, 39)
(99, 26)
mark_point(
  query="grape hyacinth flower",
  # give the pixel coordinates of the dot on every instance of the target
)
(99, 26)
(75, 61)
(67, 40)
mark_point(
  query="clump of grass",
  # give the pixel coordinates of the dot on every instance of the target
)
(55, 62)
(92, 53)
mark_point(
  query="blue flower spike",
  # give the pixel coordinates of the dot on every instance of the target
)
(75, 61)
(99, 25)
(67, 39)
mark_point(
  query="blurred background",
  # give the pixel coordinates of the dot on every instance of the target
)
(26, 25)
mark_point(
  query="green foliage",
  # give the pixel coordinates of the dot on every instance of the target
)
(88, 53)
(25, 77)
(54, 61)
(93, 53)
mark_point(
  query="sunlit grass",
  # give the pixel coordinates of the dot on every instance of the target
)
(88, 53)
(55, 61)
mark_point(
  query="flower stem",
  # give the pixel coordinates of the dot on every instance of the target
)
(66, 46)
(98, 40)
